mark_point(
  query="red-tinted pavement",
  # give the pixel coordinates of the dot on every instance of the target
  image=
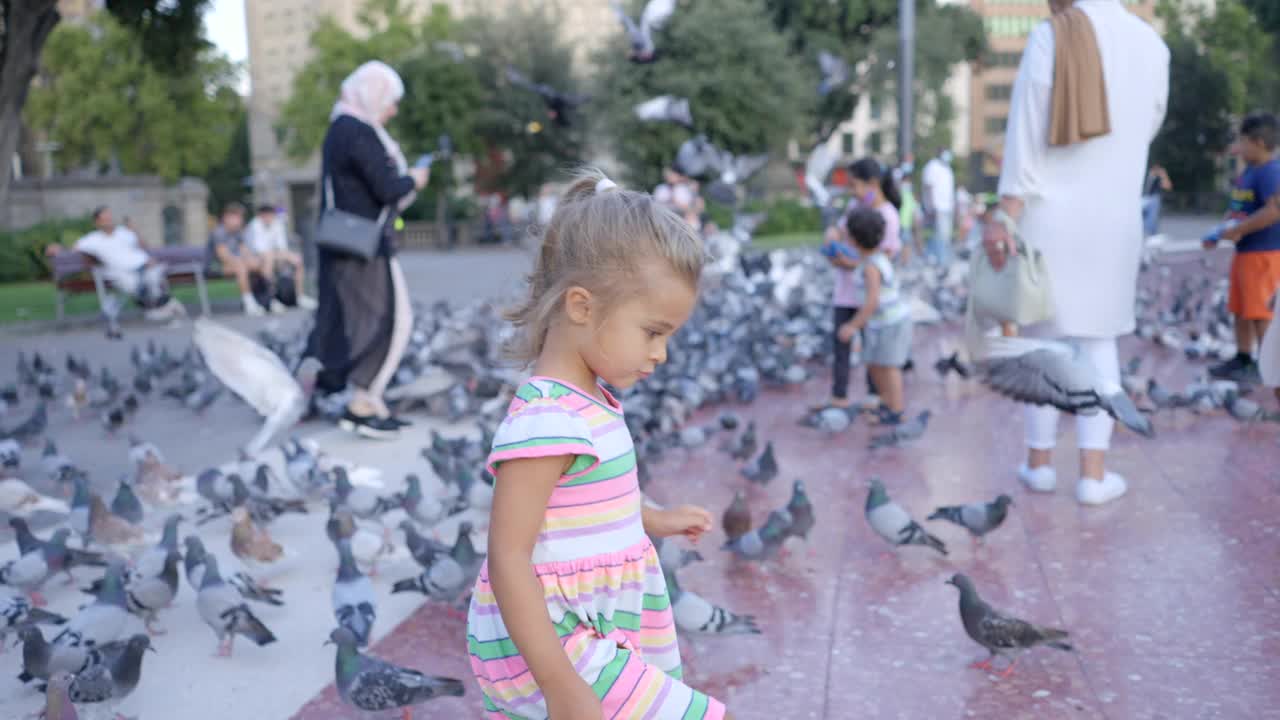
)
(1172, 594)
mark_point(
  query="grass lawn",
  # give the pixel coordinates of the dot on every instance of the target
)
(34, 301)
(787, 240)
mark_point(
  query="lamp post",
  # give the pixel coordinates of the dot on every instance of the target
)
(906, 74)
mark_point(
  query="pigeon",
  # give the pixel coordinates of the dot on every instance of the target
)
(656, 13)
(224, 492)
(736, 520)
(250, 543)
(31, 428)
(18, 613)
(257, 376)
(893, 523)
(354, 603)
(1242, 408)
(373, 685)
(249, 589)
(1162, 398)
(559, 104)
(59, 557)
(904, 432)
(98, 623)
(126, 503)
(978, 518)
(665, 108)
(108, 528)
(220, 607)
(673, 555)
(694, 614)
(426, 510)
(363, 502)
(831, 419)
(57, 697)
(835, 73)
(18, 499)
(36, 654)
(951, 364)
(423, 550)
(53, 462)
(998, 633)
(10, 454)
(443, 581)
(764, 542)
(801, 511)
(745, 444)
(111, 681)
(1045, 372)
(28, 573)
(764, 468)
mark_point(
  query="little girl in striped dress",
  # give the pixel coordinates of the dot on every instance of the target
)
(570, 617)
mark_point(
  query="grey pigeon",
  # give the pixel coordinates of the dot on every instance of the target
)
(224, 492)
(1045, 372)
(1162, 398)
(905, 432)
(423, 550)
(443, 581)
(673, 555)
(98, 623)
(426, 510)
(373, 685)
(249, 589)
(36, 654)
(112, 681)
(363, 502)
(222, 610)
(57, 697)
(1242, 408)
(978, 518)
(694, 614)
(652, 18)
(763, 542)
(893, 523)
(126, 503)
(53, 462)
(801, 511)
(32, 427)
(80, 517)
(745, 444)
(835, 73)
(998, 633)
(17, 613)
(665, 108)
(764, 468)
(354, 602)
(831, 419)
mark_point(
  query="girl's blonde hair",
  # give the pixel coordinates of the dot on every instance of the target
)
(597, 239)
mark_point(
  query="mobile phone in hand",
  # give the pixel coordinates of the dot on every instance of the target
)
(424, 161)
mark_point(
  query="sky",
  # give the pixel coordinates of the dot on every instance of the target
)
(224, 25)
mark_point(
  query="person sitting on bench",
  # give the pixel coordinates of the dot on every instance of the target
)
(227, 247)
(125, 264)
(269, 239)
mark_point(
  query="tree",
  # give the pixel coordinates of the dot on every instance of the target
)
(525, 147)
(747, 93)
(865, 34)
(25, 26)
(171, 32)
(227, 179)
(106, 105)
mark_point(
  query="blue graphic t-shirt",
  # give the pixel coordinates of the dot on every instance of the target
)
(1255, 186)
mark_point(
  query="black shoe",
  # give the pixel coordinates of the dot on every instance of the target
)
(908, 366)
(398, 422)
(1229, 369)
(370, 426)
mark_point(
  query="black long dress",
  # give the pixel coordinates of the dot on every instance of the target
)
(356, 312)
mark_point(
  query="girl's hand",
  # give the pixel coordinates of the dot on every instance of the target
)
(846, 332)
(575, 701)
(688, 520)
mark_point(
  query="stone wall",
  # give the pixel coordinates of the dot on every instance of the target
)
(162, 213)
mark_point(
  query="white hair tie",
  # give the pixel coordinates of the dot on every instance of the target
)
(605, 184)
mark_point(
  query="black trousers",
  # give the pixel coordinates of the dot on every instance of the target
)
(840, 367)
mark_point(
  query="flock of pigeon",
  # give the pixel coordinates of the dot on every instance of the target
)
(760, 324)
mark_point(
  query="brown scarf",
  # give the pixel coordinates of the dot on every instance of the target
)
(1079, 108)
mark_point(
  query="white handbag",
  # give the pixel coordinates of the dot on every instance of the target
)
(1269, 349)
(1019, 292)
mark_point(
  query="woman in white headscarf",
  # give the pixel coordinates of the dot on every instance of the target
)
(364, 316)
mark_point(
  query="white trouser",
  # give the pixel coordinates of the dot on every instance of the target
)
(1093, 432)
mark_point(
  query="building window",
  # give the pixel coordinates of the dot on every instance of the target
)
(873, 142)
(999, 92)
(846, 143)
(875, 108)
(1003, 59)
(1011, 25)
(996, 125)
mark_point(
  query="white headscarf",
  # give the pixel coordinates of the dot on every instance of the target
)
(366, 95)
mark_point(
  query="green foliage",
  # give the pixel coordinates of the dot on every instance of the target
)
(227, 179)
(22, 251)
(526, 147)
(747, 92)
(105, 104)
(171, 32)
(787, 216)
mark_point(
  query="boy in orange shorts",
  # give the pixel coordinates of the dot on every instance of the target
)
(1255, 269)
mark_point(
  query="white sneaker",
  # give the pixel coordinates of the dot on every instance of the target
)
(277, 307)
(1100, 492)
(1042, 479)
(252, 308)
(306, 302)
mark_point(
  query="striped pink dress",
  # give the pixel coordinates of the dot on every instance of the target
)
(600, 575)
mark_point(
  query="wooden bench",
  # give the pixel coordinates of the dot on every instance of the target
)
(75, 272)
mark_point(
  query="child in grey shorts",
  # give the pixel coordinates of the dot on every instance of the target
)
(885, 315)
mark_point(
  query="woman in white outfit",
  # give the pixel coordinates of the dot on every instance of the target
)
(1089, 97)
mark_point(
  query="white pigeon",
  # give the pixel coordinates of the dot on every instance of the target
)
(258, 376)
(665, 108)
(821, 160)
(19, 499)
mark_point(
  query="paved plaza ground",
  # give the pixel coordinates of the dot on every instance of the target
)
(1172, 594)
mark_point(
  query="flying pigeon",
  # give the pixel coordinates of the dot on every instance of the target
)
(258, 376)
(978, 518)
(893, 523)
(665, 108)
(835, 73)
(998, 633)
(652, 18)
(376, 686)
(558, 103)
(1045, 372)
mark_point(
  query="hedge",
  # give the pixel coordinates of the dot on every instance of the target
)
(22, 251)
